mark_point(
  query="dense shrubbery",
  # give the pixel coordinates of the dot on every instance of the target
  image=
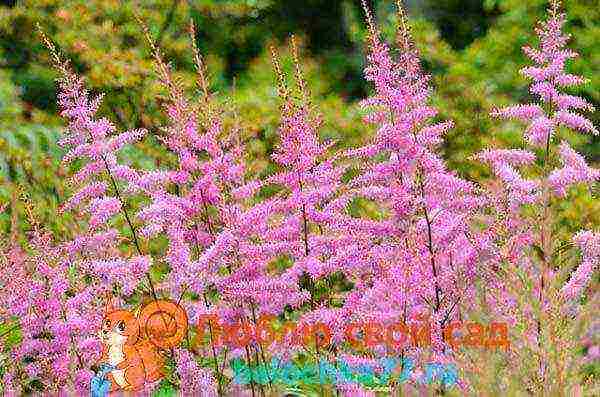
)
(316, 221)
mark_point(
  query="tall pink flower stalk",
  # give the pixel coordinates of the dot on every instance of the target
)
(99, 198)
(555, 109)
(220, 245)
(308, 179)
(422, 255)
(54, 315)
(528, 245)
(197, 207)
(54, 293)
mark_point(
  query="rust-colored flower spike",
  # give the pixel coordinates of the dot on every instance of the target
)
(61, 64)
(199, 62)
(403, 36)
(301, 84)
(29, 209)
(14, 219)
(162, 68)
(554, 8)
(208, 112)
(281, 85)
(409, 54)
(373, 32)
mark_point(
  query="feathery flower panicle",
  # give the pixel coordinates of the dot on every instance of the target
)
(520, 112)
(217, 238)
(525, 242)
(575, 121)
(88, 138)
(92, 140)
(91, 191)
(126, 273)
(589, 244)
(101, 210)
(300, 214)
(271, 294)
(56, 317)
(419, 257)
(554, 109)
(206, 170)
(549, 78)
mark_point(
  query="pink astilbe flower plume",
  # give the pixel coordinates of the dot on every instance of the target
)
(549, 77)
(203, 167)
(299, 216)
(555, 109)
(421, 257)
(219, 244)
(528, 245)
(209, 224)
(195, 380)
(56, 316)
(92, 140)
(589, 243)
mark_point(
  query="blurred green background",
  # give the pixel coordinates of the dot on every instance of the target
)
(471, 48)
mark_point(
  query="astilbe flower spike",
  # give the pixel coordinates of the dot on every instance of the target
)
(421, 258)
(549, 78)
(299, 216)
(298, 219)
(54, 293)
(56, 316)
(555, 108)
(91, 139)
(529, 245)
(218, 241)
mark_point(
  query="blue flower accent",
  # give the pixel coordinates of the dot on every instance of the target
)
(100, 386)
(445, 373)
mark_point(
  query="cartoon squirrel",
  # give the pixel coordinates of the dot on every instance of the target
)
(132, 345)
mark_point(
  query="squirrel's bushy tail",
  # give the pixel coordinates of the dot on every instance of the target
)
(164, 323)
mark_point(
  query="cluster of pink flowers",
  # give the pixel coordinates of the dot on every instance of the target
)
(57, 316)
(528, 180)
(555, 109)
(299, 253)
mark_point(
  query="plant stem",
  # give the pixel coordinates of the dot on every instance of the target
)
(430, 245)
(212, 346)
(249, 363)
(311, 284)
(131, 227)
(544, 242)
(262, 353)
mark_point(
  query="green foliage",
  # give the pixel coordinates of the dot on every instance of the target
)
(486, 74)
(28, 156)
(165, 389)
